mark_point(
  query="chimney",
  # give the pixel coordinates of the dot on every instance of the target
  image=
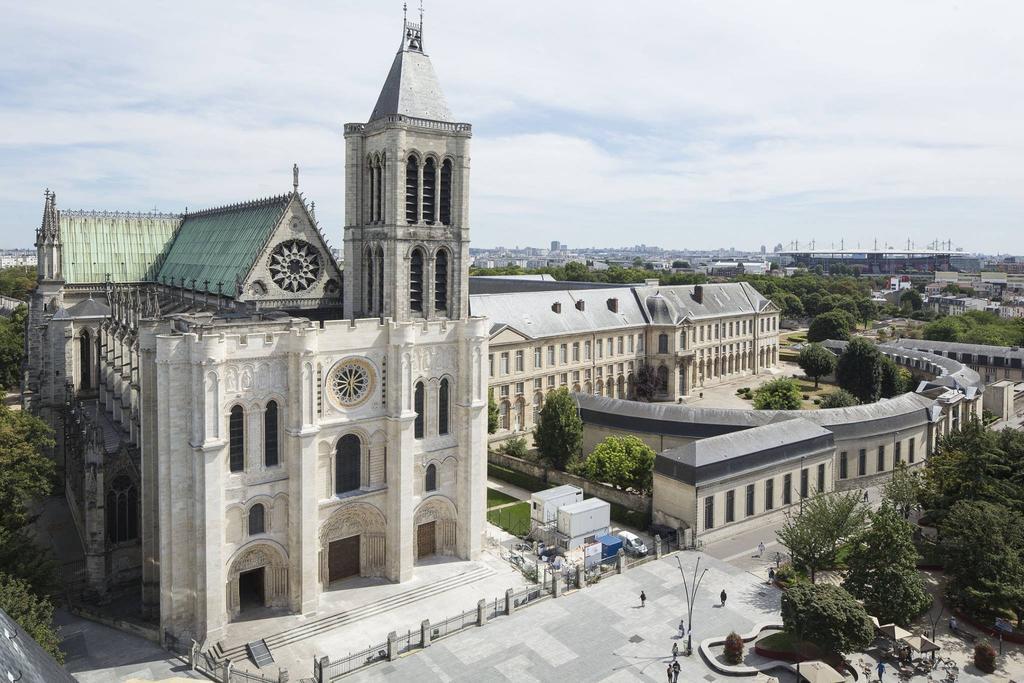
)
(557, 307)
(580, 304)
(613, 305)
(698, 293)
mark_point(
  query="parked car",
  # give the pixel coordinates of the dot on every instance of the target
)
(632, 544)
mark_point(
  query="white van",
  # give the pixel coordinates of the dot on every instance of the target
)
(632, 544)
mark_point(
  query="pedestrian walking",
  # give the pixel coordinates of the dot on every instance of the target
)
(675, 671)
(723, 596)
(771, 575)
(865, 495)
(778, 559)
(668, 672)
(881, 670)
(682, 628)
(760, 549)
(675, 651)
(643, 598)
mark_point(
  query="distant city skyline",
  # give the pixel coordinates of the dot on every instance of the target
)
(679, 125)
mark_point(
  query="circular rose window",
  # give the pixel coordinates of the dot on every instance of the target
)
(351, 382)
(294, 265)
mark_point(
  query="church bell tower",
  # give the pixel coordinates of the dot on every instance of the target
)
(407, 198)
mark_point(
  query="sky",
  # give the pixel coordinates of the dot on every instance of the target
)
(679, 124)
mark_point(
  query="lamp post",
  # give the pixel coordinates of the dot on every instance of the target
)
(691, 596)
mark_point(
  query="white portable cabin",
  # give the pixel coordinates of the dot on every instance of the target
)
(544, 504)
(581, 522)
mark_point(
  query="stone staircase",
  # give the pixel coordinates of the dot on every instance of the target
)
(327, 623)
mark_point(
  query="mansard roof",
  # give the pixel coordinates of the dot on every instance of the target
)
(119, 246)
(412, 88)
(672, 304)
(545, 314)
(219, 245)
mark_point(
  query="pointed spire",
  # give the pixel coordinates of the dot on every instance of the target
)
(50, 226)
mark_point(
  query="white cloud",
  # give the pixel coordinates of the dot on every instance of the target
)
(685, 124)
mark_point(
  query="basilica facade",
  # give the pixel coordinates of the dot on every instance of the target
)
(240, 422)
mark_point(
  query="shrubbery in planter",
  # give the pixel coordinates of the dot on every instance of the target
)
(733, 648)
(985, 657)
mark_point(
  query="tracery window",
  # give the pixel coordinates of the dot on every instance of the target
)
(122, 510)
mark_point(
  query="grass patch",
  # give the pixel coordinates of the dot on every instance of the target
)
(515, 519)
(787, 643)
(523, 481)
(496, 497)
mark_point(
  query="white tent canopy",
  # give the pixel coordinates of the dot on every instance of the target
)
(820, 672)
(920, 644)
(894, 632)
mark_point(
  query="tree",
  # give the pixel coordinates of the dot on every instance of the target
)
(894, 380)
(622, 461)
(778, 394)
(12, 347)
(733, 648)
(902, 490)
(910, 299)
(840, 398)
(983, 547)
(830, 325)
(813, 536)
(26, 473)
(558, 434)
(866, 310)
(33, 613)
(646, 383)
(859, 370)
(883, 568)
(817, 361)
(827, 616)
(492, 413)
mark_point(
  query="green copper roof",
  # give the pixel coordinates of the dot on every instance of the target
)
(219, 245)
(124, 246)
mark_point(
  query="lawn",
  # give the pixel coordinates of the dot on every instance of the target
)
(523, 481)
(496, 497)
(787, 644)
(515, 519)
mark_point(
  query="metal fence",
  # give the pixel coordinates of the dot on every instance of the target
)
(453, 624)
(328, 671)
(249, 677)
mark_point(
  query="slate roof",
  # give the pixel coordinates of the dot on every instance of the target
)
(219, 245)
(531, 312)
(412, 89)
(125, 246)
(673, 303)
(959, 348)
(90, 308)
(505, 284)
(23, 659)
(723, 456)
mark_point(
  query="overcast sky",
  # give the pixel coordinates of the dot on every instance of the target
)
(680, 124)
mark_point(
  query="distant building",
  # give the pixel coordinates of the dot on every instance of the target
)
(874, 262)
(556, 245)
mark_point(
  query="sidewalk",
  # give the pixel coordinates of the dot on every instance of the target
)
(508, 489)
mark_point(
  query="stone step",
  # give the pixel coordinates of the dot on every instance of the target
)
(323, 624)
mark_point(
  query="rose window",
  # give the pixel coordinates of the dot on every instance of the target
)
(294, 265)
(351, 382)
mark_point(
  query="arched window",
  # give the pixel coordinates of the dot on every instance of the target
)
(270, 431)
(257, 519)
(416, 280)
(371, 279)
(503, 415)
(446, 192)
(412, 190)
(371, 168)
(538, 402)
(662, 343)
(682, 340)
(236, 439)
(380, 280)
(380, 189)
(121, 511)
(346, 464)
(429, 190)
(441, 281)
(431, 479)
(662, 378)
(85, 361)
(418, 407)
(443, 407)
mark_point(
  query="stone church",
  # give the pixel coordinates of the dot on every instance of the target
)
(240, 421)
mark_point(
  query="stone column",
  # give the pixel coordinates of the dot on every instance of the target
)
(304, 492)
(425, 633)
(149, 516)
(401, 447)
(470, 413)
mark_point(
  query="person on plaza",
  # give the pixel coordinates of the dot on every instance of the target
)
(675, 671)
(778, 559)
(771, 575)
(675, 651)
(723, 596)
(881, 670)
(865, 495)
(952, 623)
(643, 598)
(668, 672)
(760, 549)
(682, 628)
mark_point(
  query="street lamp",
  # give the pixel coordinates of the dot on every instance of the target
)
(691, 597)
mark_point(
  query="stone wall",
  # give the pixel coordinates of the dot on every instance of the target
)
(630, 501)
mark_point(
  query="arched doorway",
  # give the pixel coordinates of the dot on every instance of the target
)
(258, 577)
(435, 526)
(352, 543)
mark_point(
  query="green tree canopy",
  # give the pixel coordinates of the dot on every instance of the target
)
(817, 361)
(646, 383)
(622, 461)
(33, 613)
(779, 394)
(814, 535)
(895, 380)
(828, 616)
(834, 324)
(840, 398)
(911, 300)
(17, 282)
(983, 547)
(883, 568)
(558, 434)
(492, 412)
(859, 370)
(903, 490)
(12, 347)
